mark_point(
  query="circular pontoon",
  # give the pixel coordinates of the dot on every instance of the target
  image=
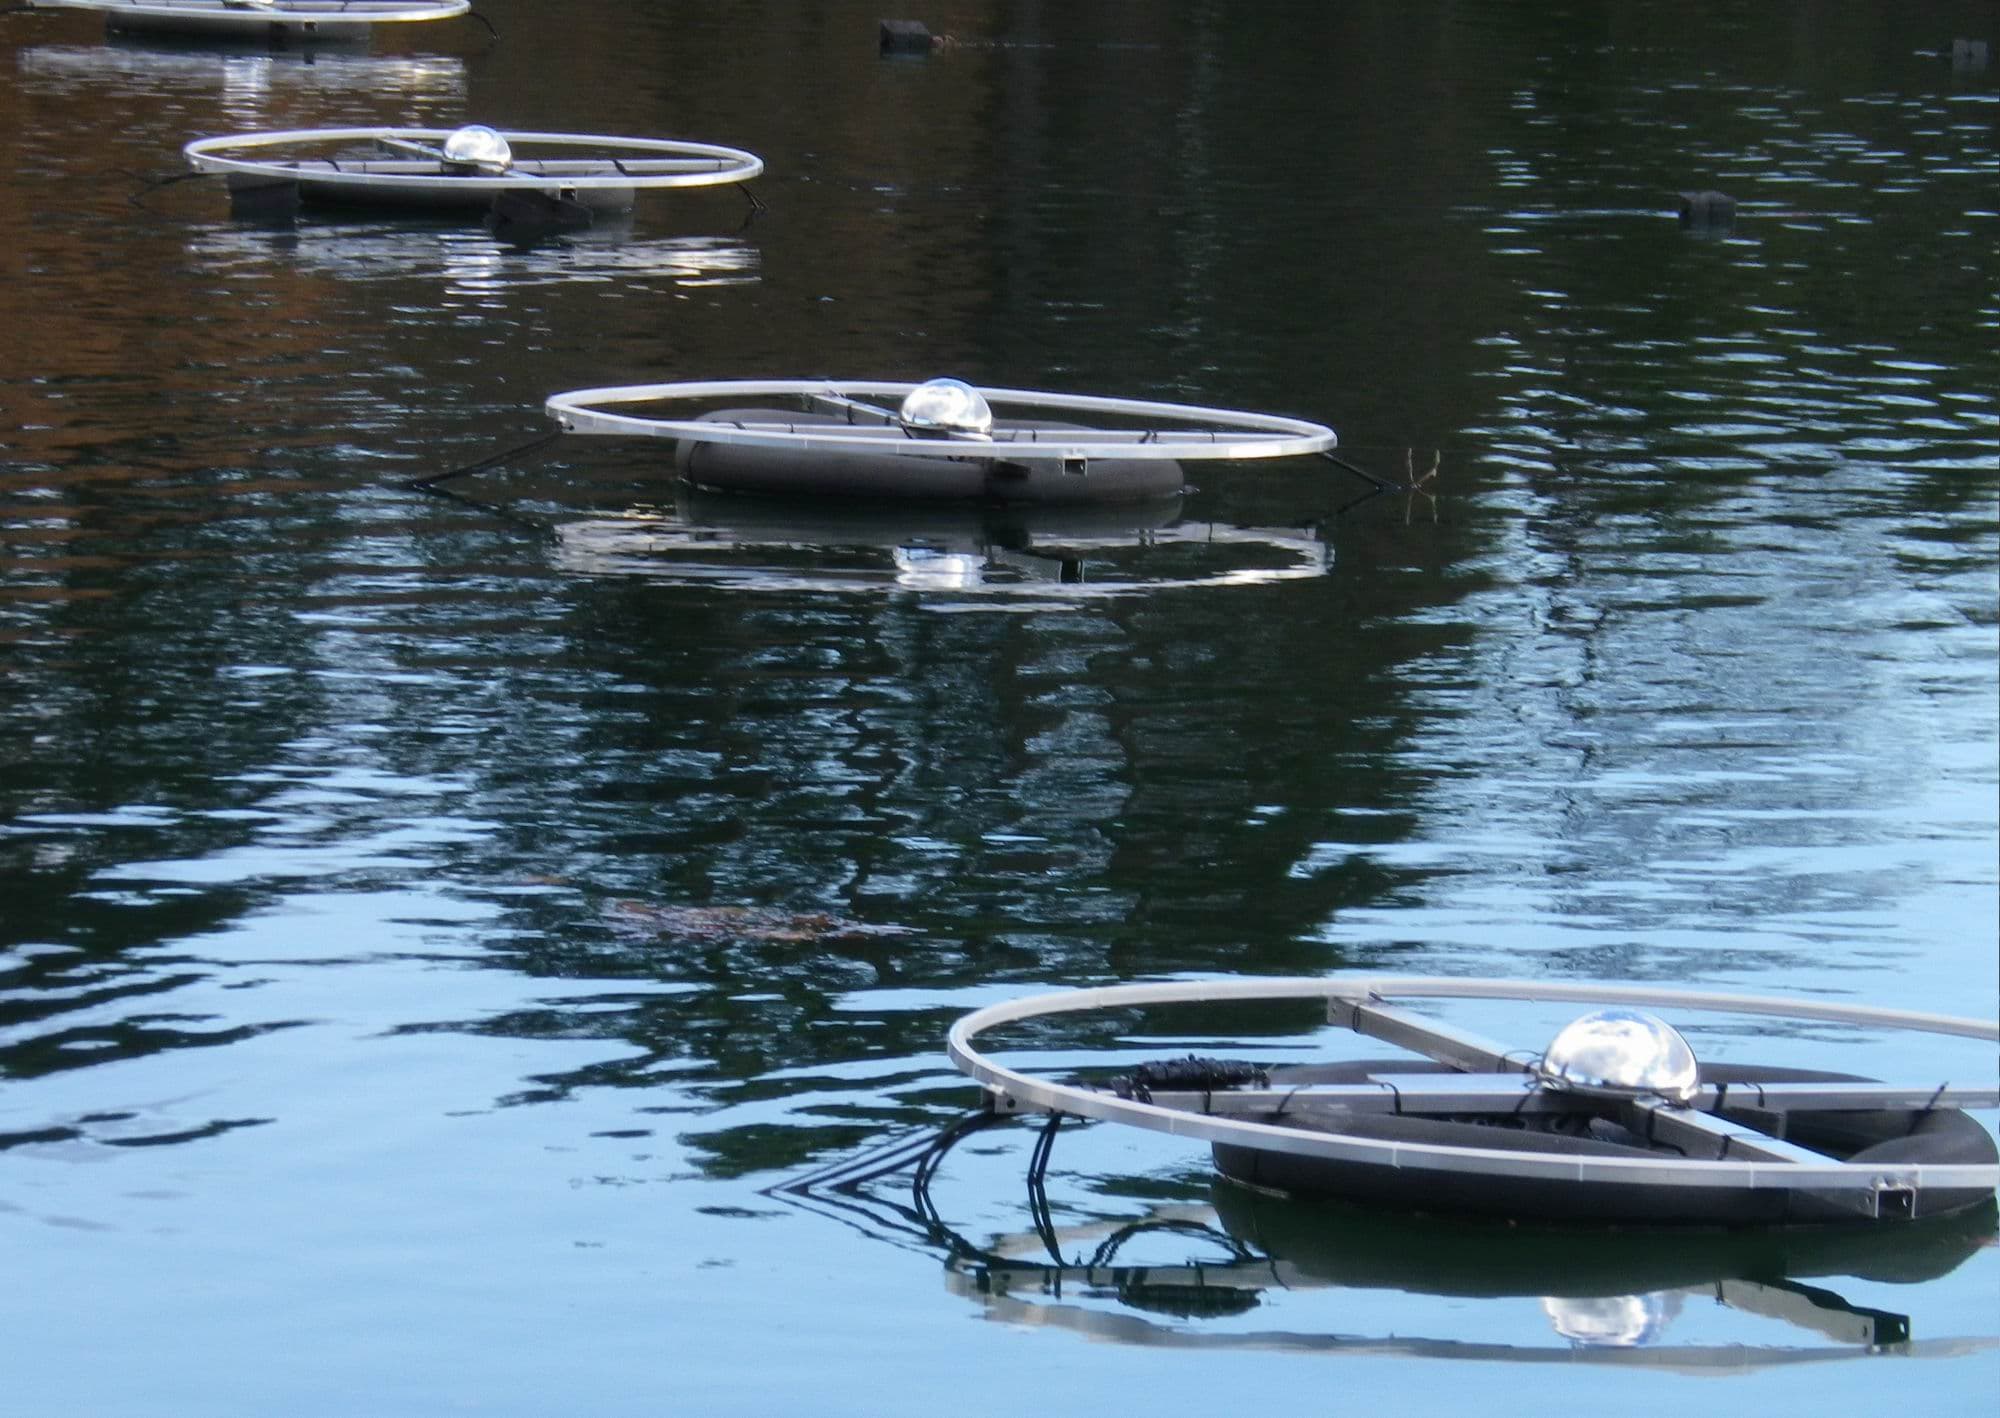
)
(464, 168)
(258, 20)
(941, 440)
(1613, 1122)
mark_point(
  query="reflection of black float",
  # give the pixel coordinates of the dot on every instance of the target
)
(1610, 1294)
(1365, 1247)
(259, 21)
(1614, 1122)
(942, 440)
(1009, 555)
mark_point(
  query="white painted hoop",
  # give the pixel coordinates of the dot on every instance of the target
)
(237, 16)
(1195, 433)
(599, 162)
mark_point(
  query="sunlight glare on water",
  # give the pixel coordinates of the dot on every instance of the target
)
(432, 926)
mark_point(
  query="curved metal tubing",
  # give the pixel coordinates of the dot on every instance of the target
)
(1228, 435)
(1827, 1176)
(603, 163)
(260, 16)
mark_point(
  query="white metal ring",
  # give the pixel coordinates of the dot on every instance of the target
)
(237, 16)
(578, 162)
(1193, 433)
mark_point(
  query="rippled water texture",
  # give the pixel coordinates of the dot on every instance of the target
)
(430, 927)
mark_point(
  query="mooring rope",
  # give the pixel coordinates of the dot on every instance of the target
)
(1380, 484)
(149, 185)
(491, 461)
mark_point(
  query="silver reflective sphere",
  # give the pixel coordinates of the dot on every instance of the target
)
(476, 145)
(946, 406)
(1621, 1051)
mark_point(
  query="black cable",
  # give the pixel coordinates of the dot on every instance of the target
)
(1381, 484)
(431, 482)
(1038, 1197)
(1917, 1117)
(933, 1157)
(150, 185)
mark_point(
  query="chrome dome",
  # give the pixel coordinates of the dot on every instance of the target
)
(1623, 1051)
(946, 406)
(476, 145)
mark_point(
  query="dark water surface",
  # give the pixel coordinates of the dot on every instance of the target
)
(429, 928)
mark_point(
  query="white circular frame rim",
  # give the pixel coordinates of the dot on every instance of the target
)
(288, 14)
(1531, 1166)
(217, 155)
(1231, 434)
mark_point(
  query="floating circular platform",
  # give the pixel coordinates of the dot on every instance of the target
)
(464, 168)
(260, 19)
(941, 440)
(1605, 1125)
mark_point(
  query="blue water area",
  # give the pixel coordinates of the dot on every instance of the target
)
(436, 930)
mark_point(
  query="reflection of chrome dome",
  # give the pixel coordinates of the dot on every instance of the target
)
(946, 406)
(476, 145)
(1621, 1051)
(937, 570)
(1612, 1321)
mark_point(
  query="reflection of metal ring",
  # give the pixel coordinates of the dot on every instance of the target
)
(1606, 1301)
(1078, 557)
(266, 72)
(471, 260)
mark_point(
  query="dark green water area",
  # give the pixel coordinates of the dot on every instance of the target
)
(432, 929)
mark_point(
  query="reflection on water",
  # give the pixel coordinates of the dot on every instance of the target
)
(243, 83)
(468, 261)
(1622, 1321)
(993, 555)
(1242, 1269)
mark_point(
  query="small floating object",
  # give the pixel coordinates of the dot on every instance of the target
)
(260, 20)
(942, 440)
(1708, 211)
(905, 37)
(1615, 1121)
(468, 168)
